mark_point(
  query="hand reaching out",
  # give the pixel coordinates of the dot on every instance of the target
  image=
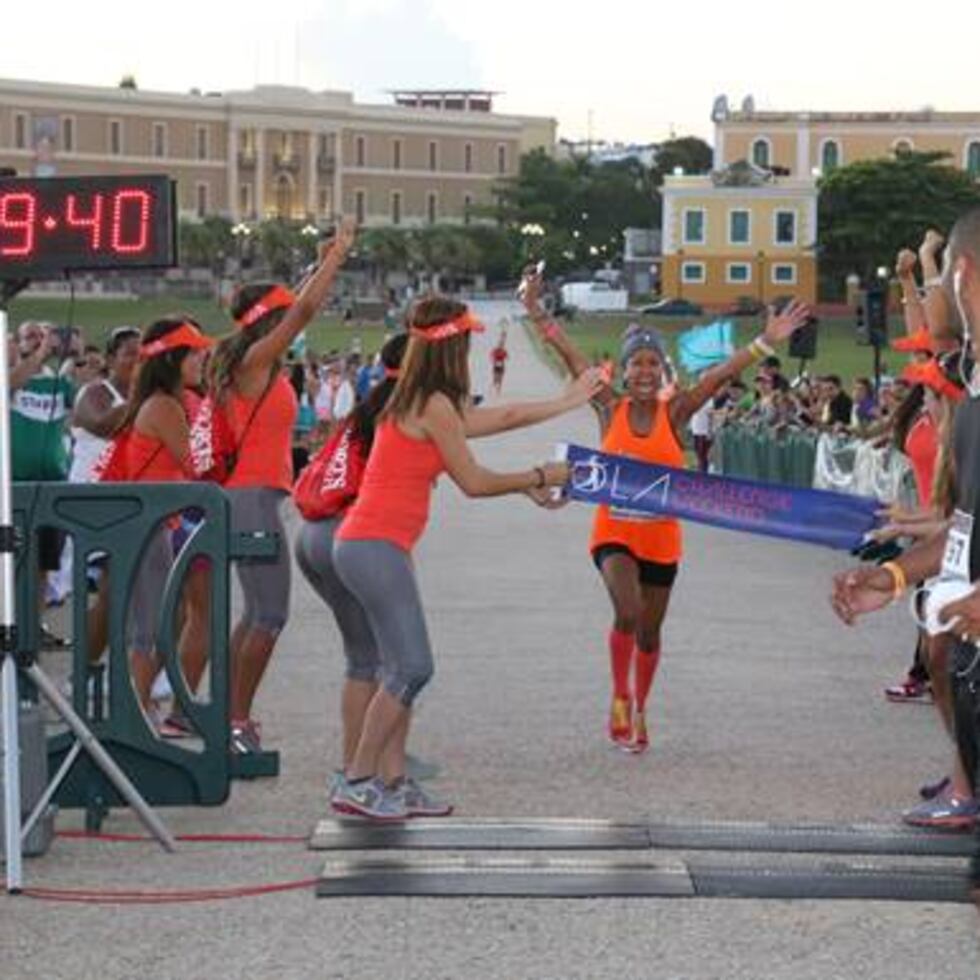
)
(779, 326)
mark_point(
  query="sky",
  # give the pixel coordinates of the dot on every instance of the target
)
(620, 70)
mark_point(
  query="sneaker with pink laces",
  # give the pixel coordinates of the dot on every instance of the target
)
(910, 691)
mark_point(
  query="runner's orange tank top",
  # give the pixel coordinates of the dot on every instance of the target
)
(265, 456)
(649, 539)
(149, 461)
(922, 449)
(393, 502)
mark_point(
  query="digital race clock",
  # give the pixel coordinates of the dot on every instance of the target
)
(49, 225)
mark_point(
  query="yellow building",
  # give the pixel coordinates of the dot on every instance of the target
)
(739, 232)
(428, 158)
(800, 142)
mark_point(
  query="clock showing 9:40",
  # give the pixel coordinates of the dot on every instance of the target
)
(51, 225)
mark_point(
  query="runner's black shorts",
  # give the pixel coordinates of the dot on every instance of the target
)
(651, 572)
(50, 541)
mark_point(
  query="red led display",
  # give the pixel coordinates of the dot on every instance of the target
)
(51, 225)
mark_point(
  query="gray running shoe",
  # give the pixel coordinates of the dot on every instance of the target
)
(368, 798)
(334, 783)
(419, 803)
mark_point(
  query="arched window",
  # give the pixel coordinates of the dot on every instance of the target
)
(760, 153)
(830, 156)
(973, 159)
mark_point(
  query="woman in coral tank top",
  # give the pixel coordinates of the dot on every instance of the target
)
(158, 451)
(260, 405)
(636, 555)
(421, 432)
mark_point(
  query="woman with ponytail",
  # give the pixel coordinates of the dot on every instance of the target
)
(260, 406)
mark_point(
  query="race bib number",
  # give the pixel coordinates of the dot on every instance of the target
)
(956, 558)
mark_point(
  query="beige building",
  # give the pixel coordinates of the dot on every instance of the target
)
(802, 142)
(739, 232)
(427, 158)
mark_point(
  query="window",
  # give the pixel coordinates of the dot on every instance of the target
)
(159, 139)
(433, 155)
(692, 272)
(324, 202)
(430, 207)
(20, 131)
(761, 152)
(396, 155)
(202, 142)
(785, 227)
(694, 220)
(739, 227)
(360, 206)
(738, 272)
(501, 159)
(115, 137)
(245, 200)
(323, 145)
(784, 274)
(359, 151)
(468, 158)
(68, 134)
(396, 207)
(467, 208)
(202, 200)
(829, 156)
(973, 159)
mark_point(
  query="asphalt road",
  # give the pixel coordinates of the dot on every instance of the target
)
(765, 709)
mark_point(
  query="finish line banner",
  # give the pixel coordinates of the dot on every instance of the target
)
(641, 491)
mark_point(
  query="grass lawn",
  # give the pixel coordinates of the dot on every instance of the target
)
(96, 317)
(837, 349)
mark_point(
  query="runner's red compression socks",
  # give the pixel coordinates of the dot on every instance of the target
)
(646, 669)
(620, 655)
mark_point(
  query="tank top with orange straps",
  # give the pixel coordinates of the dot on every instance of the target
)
(264, 444)
(649, 539)
(393, 502)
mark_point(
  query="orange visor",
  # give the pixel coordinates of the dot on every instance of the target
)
(186, 335)
(464, 323)
(932, 376)
(275, 299)
(920, 342)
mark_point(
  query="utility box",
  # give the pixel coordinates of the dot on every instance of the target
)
(33, 781)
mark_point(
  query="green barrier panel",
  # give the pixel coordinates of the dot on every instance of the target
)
(117, 521)
(752, 453)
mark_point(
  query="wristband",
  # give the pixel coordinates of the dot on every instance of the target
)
(898, 577)
(539, 484)
(550, 330)
(932, 282)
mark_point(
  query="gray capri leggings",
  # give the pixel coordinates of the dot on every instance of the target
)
(314, 555)
(381, 576)
(147, 595)
(265, 583)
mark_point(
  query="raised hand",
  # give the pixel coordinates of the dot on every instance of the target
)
(335, 249)
(586, 386)
(932, 242)
(779, 326)
(905, 263)
(530, 291)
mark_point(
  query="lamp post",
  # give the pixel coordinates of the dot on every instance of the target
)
(531, 233)
(240, 232)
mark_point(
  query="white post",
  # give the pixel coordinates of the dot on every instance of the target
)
(10, 701)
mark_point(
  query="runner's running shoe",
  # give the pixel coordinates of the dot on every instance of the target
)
(930, 791)
(945, 813)
(641, 740)
(176, 726)
(368, 798)
(620, 721)
(246, 737)
(419, 803)
(910, 691)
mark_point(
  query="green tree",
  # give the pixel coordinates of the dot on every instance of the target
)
(204, 244)
(871, 209)
(688, 152)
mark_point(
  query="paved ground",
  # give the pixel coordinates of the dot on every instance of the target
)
(765, 708)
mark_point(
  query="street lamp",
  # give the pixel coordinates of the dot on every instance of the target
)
(531, 232)
(240, 232)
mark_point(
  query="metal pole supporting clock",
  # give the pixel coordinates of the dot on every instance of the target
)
(49, 226)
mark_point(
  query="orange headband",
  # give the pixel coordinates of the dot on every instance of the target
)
(275, 299)
(392, 372)
(186, 335)
(464, 323)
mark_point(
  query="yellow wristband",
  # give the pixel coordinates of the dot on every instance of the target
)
(898, 577)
